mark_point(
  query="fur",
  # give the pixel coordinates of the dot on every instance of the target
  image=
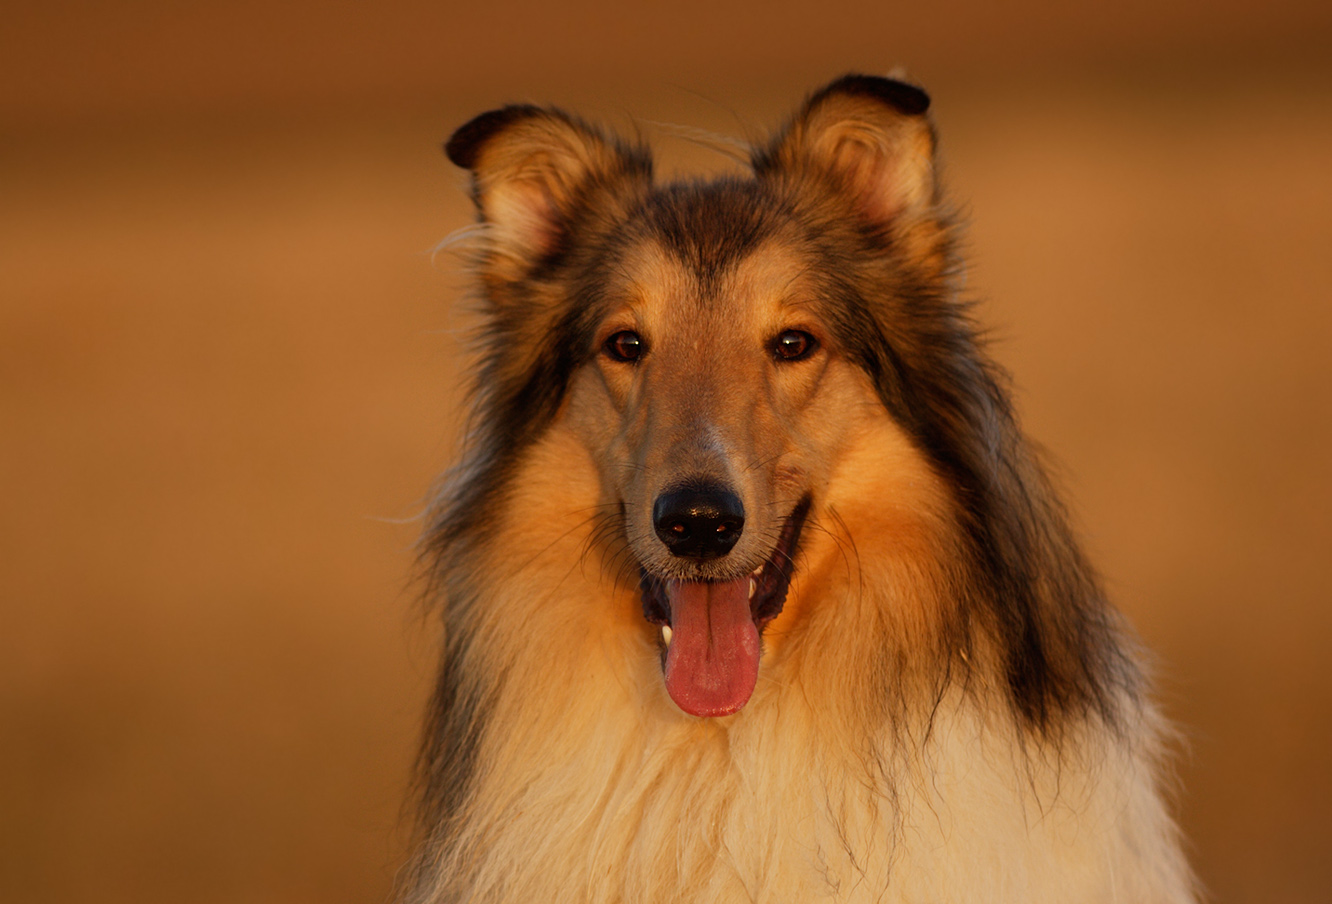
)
(945, 708)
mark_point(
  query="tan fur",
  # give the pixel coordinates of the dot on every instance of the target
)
(596, 789)
(885, 754)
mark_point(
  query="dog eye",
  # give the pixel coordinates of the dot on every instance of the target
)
(793, 345)
(626, 345)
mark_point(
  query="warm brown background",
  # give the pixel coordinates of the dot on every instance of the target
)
(229, 366)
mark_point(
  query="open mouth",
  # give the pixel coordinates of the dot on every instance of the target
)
(711, 630)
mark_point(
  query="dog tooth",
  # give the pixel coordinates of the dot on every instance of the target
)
(666, 634)
(753, 586)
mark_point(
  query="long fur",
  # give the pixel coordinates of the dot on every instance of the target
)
(946, 710)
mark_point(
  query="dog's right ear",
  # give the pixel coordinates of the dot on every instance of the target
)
(535, 171)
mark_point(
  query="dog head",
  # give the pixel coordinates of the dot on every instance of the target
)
(718, 347)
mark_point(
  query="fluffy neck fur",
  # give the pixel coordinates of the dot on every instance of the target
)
(584, 784)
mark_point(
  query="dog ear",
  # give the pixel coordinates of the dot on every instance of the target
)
(534, 170)
(870, 137)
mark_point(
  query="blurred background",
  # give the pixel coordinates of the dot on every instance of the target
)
(229, 372)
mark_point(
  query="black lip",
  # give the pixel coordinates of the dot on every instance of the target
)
(774, 579)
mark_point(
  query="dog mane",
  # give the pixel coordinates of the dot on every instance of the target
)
(1024, 587)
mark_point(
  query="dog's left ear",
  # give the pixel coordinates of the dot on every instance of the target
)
(869, 137)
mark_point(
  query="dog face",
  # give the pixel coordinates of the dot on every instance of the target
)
(704, 408)
(720, 348)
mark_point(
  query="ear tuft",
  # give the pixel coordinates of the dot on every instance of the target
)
(904, 97)
(465, 145)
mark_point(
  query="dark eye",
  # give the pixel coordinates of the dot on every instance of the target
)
(626, 345)
(793, 345)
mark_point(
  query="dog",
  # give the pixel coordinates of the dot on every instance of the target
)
(751, 588)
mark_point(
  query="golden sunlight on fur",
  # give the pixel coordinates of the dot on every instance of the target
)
(752, 590)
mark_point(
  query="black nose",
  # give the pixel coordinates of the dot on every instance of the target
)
(701, 521)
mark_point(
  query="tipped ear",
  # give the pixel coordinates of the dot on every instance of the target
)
(533, 169)
(870, 136)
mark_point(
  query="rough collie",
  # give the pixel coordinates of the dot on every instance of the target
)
(751, 588)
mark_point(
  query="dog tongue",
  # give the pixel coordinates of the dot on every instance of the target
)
(712, 661)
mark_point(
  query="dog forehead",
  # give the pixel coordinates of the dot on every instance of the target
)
(775, 276)
(754, 289)
(710, 225)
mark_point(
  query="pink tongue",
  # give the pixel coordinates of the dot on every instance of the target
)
(712, 662)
